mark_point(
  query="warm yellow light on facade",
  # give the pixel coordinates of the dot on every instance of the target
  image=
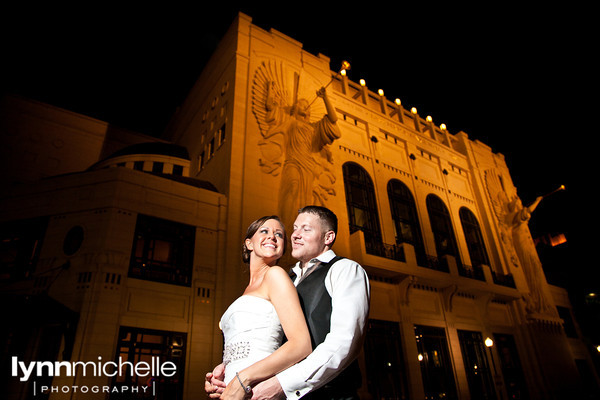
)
(420, 356)
(489, 342)
(413, 110)
(380, 91)
(429, 119)
(398, 102)
(598, 348)
(343, 72)
(443, 127)
(362, 82)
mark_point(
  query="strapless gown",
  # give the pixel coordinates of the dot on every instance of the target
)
(252, 331)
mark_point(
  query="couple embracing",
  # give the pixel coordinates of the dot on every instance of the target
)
(300, 337)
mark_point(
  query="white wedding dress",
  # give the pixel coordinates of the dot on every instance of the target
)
(252, 331)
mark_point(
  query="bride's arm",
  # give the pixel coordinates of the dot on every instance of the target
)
(282, 294)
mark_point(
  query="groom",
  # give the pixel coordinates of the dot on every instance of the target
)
(334, 293)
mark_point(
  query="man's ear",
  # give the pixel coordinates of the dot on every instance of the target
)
(329, 238)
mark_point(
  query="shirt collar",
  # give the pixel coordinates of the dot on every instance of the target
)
(323, 257)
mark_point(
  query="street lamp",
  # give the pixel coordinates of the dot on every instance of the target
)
(489, 343)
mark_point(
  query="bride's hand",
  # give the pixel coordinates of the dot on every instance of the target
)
(213, 384)
(234, 391)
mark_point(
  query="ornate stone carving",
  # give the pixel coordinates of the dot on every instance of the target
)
(513, 219)
(296, 136)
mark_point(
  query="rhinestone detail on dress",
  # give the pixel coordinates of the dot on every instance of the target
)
(236, 351)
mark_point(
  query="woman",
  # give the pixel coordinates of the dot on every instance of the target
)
(255, 323)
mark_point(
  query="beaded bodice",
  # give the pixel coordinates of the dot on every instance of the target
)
(252, 331)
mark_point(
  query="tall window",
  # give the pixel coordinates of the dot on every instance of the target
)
(479, 376)
(406, 221)
(514, 378)
(441, 225)
(473, 237)
(360, 198)
(163, 251)
(144, 345)
(20, 244)
(436, 365)
(386, 374)
(221, 135)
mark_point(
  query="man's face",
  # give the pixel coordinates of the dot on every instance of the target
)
(309, 238)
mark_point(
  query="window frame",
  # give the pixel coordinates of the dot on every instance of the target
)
(148, 263)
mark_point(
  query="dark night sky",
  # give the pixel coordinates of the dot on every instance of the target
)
(517, 78)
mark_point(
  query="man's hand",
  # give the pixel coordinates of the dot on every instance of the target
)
(213, 384)
(268, 390)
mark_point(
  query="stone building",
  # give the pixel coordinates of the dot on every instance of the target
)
(118, 247)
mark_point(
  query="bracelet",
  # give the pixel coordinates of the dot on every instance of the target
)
(247, 389)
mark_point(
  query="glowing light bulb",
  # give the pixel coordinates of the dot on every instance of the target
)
(413, 110)
(489, 342)
(380, 91)
(443, 127)
(362, 82)
(429, 119)
(398, 102)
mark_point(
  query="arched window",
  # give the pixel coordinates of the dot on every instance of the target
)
(360, 198)
(405, 217)
(441, 225)
(473, 237)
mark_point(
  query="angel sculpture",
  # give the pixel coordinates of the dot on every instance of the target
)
(293, 143)
(513, 220)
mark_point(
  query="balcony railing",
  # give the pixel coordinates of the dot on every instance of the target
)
(390, 251)
(447, 264)
(437, 264)
(504, 280)
(473, 272)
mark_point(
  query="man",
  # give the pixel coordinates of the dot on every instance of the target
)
(334, 293)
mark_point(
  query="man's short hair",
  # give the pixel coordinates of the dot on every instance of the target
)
(327, 217)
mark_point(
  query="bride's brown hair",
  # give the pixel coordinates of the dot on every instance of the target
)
(252, 230)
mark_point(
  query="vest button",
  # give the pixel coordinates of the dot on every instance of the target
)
(298, 393)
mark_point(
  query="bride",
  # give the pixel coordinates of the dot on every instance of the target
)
(254, 325)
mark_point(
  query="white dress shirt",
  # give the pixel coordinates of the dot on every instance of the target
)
(348, 285)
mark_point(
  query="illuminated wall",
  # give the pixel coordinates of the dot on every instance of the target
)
(423, 209)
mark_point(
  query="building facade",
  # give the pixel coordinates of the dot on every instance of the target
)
(126, 248)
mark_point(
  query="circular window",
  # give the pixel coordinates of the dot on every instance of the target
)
(73, 240)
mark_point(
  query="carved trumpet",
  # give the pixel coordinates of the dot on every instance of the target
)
(561, 187)
(345, 67)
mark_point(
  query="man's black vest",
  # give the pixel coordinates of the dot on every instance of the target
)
(316, 305)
